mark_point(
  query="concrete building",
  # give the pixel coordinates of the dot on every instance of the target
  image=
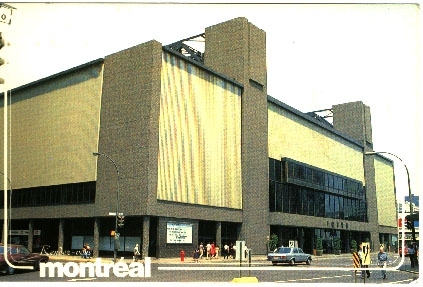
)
(195, 151)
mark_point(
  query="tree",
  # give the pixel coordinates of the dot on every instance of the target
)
(273, 242)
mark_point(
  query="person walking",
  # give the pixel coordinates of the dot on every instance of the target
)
(201, 250)
(226, 251)
(208, 248)
(382, 260)
(136, 252)
(212, 250)
(411, 254)
(196, 255)
(360, 254)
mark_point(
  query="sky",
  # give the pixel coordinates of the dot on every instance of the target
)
(318, 55)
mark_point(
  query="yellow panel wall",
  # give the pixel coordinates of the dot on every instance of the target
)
(60, 131)
(199, 137)
(293, 137)
(385, 186)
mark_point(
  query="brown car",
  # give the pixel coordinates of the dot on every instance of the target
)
(18, 255)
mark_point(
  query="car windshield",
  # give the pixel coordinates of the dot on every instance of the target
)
(20, 250)
(284, 250)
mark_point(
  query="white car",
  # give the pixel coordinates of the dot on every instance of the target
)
(290, 255)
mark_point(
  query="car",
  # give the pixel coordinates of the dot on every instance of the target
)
(19, 255)
(290, 255)
(405, 251)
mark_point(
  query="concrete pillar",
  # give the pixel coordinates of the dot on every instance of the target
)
(219, 235)
(30, 235)
(237, 49)
(61, 234)
(96, 239)
(145, 236)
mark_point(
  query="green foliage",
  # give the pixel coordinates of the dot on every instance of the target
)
(353, 246)
(273, 242)
(337, 243)
(319, 243)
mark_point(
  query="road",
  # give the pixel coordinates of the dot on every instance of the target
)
(325, 269)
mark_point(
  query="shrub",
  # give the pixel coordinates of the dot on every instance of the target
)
(319, 243)
(337, 243)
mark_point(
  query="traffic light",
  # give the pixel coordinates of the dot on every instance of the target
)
(410, 224)
(2, 61)
(121, 220)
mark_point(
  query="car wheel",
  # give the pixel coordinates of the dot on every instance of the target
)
(308, 262)
(274, 263)
(292, 262)
(10, 270)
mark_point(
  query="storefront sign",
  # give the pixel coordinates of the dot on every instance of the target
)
(178, 232)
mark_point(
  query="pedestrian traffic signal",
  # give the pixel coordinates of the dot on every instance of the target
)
(121, 220)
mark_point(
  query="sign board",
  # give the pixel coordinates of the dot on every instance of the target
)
(37, 232)
(366, 253)
(179, 232)
(293, 243)
(19, 232)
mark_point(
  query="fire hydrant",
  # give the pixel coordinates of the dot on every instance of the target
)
(182, 254)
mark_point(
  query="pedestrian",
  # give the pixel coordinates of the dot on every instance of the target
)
(201, 250)
(411, 254)
(232, 251)
(136, 253)
(212, 250)
(216, 249)
(208, 248)
(382, 260)
(196, 255)
(87, 250)
(360, 254)
(226, 251)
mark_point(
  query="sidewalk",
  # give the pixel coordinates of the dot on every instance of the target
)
(261, 258)
(177, 260)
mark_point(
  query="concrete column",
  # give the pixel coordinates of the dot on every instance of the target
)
(30, 235)
(145, 236)
(237, 49)
(96, 239)
(61, 234)
(219, 235)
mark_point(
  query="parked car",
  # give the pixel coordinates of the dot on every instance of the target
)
(18, 255)
(291, 255)
(405, 251)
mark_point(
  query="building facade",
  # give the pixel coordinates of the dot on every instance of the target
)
(190, 150)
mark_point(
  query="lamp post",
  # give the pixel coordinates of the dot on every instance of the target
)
(413, 231)
(116, 247)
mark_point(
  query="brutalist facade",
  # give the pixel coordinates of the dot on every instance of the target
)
(187, 150)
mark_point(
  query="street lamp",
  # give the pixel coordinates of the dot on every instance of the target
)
(413, 234)
(116, 247)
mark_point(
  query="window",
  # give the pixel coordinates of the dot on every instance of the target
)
(74, 193)
(311, 191)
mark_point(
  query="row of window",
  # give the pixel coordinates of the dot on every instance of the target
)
(299, 200)
(74, 193)
(297, 173)
(298, 188)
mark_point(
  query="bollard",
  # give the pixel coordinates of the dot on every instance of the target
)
(182, 254)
